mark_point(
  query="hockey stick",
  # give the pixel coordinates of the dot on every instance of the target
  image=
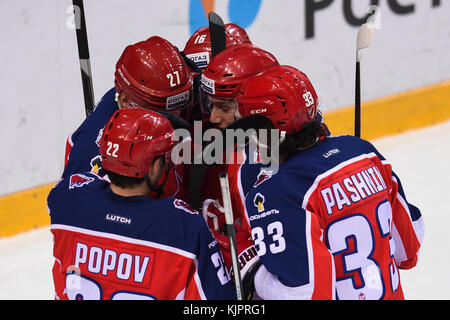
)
(217, 33)
(365, 37)
(218, 44)
(229, 227)
(83, 53)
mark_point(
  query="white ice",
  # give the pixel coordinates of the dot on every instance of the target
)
(420, 158)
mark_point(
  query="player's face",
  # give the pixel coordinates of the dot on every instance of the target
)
(124, 102)
(223, 112)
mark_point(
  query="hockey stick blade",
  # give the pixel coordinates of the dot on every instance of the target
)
(363, 41)
(217, 33)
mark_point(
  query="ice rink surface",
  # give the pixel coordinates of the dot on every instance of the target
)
(420, 158)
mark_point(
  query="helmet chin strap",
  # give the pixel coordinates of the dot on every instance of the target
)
(158, 189)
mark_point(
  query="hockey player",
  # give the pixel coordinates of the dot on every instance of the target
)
(198, 47)
(249, 169)
(221, 81)
(224, 75)
(245, 167)
(150, 74)
(113, 241)
(198, 50)
(334, 221)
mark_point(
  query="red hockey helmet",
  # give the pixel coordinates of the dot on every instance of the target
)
(132, 138)
(230, 68)
(154, 75)
(198, 47)
(283, 94)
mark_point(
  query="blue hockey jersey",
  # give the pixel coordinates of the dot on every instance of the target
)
(333, 219)
(111, 247)
(82, 148)
(248, 171)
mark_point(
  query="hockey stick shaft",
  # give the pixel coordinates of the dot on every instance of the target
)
(83, 53)
(218, 44)
(229, 227)
(358, 101)
(364, 39)
(217, 33)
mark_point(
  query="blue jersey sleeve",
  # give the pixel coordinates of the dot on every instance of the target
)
(212, 271)
(84, 155)
(214, 279)
(279, 230)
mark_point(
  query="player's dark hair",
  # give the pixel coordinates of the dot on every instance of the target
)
(130, 182)
(303, 139)
(123, 181)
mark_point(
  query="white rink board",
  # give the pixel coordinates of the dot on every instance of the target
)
(418, 157)
(42, 101)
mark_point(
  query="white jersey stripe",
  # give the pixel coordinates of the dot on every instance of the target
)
(124, 239)
(331, 171)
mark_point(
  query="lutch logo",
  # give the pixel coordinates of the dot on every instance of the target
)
(240, 12)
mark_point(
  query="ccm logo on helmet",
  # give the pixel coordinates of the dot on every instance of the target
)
(259, 111)
(177, 100)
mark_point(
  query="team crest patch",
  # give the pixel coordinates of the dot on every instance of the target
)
(180, 204)
(258, 201)
(79, 180)
(263, 176)
(96, 164)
